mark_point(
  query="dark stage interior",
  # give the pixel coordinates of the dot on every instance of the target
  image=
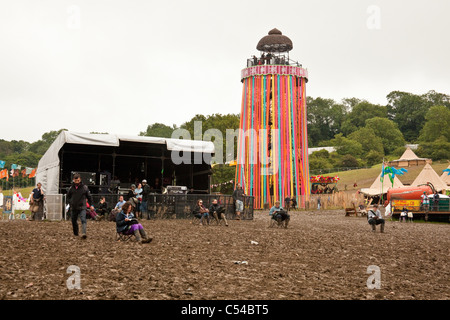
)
(130, 163)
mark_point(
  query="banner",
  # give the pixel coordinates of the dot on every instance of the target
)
(2, 164)
(4, 174)
(8, 204)
(33, 173)
(410, 205)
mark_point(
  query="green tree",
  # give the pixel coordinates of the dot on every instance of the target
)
(436, 150)
(388, 131)
(349, 161)
(27, 158)
(42, 145)
(158, 130)
(360, 113)
(408, 111)
(319, 160)
(437, 124)
(373, 157)
(345, 145)
(324, 118)
(221, 175)
(214, 122)
(368, 140)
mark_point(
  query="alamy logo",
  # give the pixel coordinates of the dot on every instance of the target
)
(74, 281)
(374, 281)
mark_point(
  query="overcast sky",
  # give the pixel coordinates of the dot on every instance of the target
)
(117, 66)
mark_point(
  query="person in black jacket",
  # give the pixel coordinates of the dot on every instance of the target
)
(218, 212)
(77, 196)
(102, 208)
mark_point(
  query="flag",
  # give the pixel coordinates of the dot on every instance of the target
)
(382, 173)
(28, 170)
(23, 172)
(2, 164)
(4, 174)
(13, 166)
(33, 173)
(448, 171)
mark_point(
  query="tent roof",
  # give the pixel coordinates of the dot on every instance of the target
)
(409, 155)
(446, 177)
(429, 175)
(51, 159)
(377, 188)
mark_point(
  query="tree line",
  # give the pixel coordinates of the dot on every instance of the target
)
(362, 133)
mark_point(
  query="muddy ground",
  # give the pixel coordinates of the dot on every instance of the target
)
(319, 256)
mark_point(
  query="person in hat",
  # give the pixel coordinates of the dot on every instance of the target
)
(374, 218)
(279, 215)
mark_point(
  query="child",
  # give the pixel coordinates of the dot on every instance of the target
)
(403, 214)
(410, 216)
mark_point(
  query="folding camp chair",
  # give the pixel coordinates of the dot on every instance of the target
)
(196, 218)
(123, 237)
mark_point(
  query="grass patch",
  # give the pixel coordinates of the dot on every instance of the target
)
(365, 177)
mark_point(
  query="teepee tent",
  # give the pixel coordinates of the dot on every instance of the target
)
(446, 177)
(429, 175)
(408, 159)
(378, 188)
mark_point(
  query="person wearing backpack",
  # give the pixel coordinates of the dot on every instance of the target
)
(374, 218)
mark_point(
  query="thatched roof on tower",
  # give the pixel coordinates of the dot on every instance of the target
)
(275, 41)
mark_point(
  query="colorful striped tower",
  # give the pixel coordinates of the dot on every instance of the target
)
(272, 155)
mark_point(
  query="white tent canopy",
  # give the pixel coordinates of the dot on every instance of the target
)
(48, 169)
(429, 175)
(377, 188)
(446, 177)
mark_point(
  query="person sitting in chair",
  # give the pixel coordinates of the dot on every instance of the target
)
(102, 208)
(374, 218)
(117, 209)
(90, 212)
(127, 224)
(218, 212)
(279, 215)
(200, 209)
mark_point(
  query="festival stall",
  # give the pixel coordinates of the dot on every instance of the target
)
(323, 184)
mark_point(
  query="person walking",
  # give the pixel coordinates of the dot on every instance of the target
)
(37, 202)
(77, 195)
